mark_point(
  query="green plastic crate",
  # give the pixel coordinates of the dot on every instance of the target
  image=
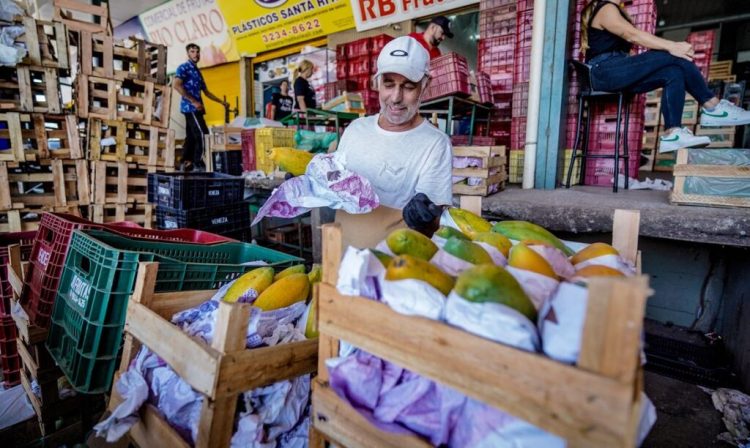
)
(99, 277)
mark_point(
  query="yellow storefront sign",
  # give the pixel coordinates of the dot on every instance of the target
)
(261, 25)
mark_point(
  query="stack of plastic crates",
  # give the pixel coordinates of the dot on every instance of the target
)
(212, 202)
(449, 76)
(265, 139)
(9, 359)
(99, 276)
(356, 62)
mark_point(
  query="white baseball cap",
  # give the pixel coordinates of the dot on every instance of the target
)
(404, 56)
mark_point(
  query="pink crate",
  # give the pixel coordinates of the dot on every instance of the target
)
(359, 66)
(478, 140)
(520, 99)
(497, 22)
(525, 5)
(248, 150)
(448, 86)
(484, 86)
(522, 67)
(600, 172)
(347, 85)
(518, 133)
(359, 48)
(492, 4)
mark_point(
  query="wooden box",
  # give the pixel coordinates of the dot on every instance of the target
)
(491, 172)
(596, 403)
(71, 13)
(138, 212)
(46, 43)
(102, 55)
(683, 169)
(226, 138)
(135, 143)
(220, 371)
(27, 88)
(721, 137)
(53, 184)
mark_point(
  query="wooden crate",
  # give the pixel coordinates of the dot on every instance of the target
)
(225, 138)
(720, 70)
(690, 113)
(652, 114)
(515, 166)
(38, 365)
(137, 212)
(721, 137)
(132, 100)
(32, 186)
(83, 16)
(347, 102)
(135, 143)
(119, 182)
(220, 371)
(29, 88)
(28, 219)
(46, 43)
(593, 404)
(37, 137)
(492, 171)
(103, 56)
(682, 170)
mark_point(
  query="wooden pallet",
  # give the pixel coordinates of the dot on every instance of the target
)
(46, 43)
(80, 16)
(103, 56)
(594, 404)
(492, 171)
(721, 137)
(132, 100)
(682, 170)
(28, 88)
(720, 70)
(29, 186)
(219, 371)
(146, 145)
(119, 182)
(36, 137)
(137, 212)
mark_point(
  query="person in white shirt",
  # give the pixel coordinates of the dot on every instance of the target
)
(406, 159)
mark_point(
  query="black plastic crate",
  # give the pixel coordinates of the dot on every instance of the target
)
(194, 190)
(218, 219)
(228, 162)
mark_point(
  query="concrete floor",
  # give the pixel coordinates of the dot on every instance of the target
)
(585, 209)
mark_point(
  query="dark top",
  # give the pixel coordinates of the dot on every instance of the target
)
(283, 103)
(302, 88)
(602, 41)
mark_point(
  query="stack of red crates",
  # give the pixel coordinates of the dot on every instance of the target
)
(10, 363)
(497, 42)
(604, 116)
(449, 76)
(703, 45)
(356, 63)
(521, 72)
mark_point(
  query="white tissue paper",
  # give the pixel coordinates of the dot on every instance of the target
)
(414, 298)
(493, 321)
(561, 322)
(556, 258)
(448, 263)
(612, 261)
(538, 287)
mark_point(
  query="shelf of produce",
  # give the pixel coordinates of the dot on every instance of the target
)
(596, 403)
(220, 371)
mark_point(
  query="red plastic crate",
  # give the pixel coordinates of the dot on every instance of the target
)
(347, 85)
(341, 52)
(378, 42)
(359, 66)
(518, 133)
(363, 82)
(496, 53)
(329, 90)
(342, 69)
(478, 140)
(484, 87)
(248, 150)
(501, 82)
(447, 85)
(359, 48)
(520, 99)
(497, 22)
(492, 4)
(525, 5)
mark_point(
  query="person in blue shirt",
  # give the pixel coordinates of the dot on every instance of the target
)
(189, 83)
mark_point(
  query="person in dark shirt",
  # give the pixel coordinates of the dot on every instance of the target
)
(303, 92)
(436, 32)
(189, 83)
(607, 36)
(281, 102)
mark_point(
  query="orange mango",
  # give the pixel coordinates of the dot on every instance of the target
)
(593, 251)
(523, 257)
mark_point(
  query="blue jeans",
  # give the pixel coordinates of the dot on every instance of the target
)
(648, 71)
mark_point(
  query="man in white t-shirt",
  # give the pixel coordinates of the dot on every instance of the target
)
(407, 159)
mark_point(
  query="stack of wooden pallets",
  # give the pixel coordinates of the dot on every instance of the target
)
(42, 164)
(122, 96)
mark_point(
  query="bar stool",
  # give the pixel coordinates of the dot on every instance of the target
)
(586, 96)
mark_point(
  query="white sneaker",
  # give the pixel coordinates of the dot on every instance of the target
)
(681, 138)
(725, 114)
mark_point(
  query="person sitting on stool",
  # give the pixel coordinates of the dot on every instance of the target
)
(607, 36)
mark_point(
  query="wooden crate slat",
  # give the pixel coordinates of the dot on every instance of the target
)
(134, 143)
(59, 183)
(65, 10)
(139, 213)
(682, 170)
(39, 42)
(205, 367)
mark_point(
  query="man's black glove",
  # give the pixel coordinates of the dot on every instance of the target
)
(421, 213)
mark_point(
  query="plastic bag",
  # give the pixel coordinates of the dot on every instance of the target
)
(314, 141)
